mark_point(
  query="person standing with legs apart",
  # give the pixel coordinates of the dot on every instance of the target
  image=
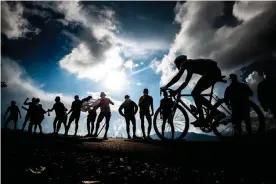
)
(92, 114)
(60, 115)
(14, 112)
(76, 111)
(105, 113)
(29, 111)
(166, 105)
(130, 109)
(145, 103)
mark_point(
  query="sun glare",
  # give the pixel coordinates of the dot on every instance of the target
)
(115, 80)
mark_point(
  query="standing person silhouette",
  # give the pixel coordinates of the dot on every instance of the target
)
(267, 94)
(166, 106)
(130, 109)
(145, 103)
(92, 114)
(237, 95)
(105, 113)
(76, 111)
(38, 115)
(29, 111)
(14, 112)
(60, 113)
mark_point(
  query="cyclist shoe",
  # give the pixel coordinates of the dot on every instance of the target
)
(219, 116)
(197, 123)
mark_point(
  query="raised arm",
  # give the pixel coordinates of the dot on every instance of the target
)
(25, 102)
(175, 78)
(187, 80)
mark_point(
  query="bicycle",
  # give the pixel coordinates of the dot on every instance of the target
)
(181, 127)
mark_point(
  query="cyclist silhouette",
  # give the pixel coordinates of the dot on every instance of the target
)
(166, 105)
(145, 103)
(210, 74)
(76, 111)
(266, 93)
(130, 109)
(237, 96)
(14, 112)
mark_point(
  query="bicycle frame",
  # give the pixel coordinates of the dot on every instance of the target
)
(211, 96)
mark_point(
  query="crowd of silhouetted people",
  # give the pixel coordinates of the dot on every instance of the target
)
(237, 96)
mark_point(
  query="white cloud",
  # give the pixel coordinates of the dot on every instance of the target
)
(253, 80)
(13, 23)
(139, 84)
(230, 46)
(130, 65)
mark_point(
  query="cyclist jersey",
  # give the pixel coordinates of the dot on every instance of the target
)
(200, 66)
(145, 102)
(238, 93)
(104, 105)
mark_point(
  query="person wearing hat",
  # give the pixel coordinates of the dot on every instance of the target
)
(237, 96)
(60, 113)
(145, 103)
(105, 113)
(76, 111)
(14, 112)
(130, 109)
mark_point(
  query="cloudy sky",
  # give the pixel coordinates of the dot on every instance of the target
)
(69, 48)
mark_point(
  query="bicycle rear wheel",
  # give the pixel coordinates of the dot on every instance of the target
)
(225, 129)
(180, 122)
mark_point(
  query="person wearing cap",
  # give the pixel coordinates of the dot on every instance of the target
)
(76, 111)
(145, 103)
(237, 96)
(60, 113)
(14, 112)
(105, 113)
(210, 74)
(130, 109)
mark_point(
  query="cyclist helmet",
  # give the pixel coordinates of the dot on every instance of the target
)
(179, 59)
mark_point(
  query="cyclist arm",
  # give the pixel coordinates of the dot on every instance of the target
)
(25, 102)
(187, 80)
(176, 78)
(112, 103)
(72, 106)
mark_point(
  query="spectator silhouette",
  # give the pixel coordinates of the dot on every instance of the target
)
(14, 112)
(38, 116)
(29, 111)
(130, 109)
(105, 113)
(76, 111)
(92, 114)
(145, 103)
(60, 114)
(237, 95)
(266, 94)
(166, 105)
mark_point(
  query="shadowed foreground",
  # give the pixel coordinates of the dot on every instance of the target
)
(48, 159)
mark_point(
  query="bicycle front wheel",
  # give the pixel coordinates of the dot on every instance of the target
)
(174, 128)
(225, 128)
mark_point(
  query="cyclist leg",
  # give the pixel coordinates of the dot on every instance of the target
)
(100, 118)
(127, 126)
(77, 118)
(88, 124)
(133, 120)
(107, 119)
